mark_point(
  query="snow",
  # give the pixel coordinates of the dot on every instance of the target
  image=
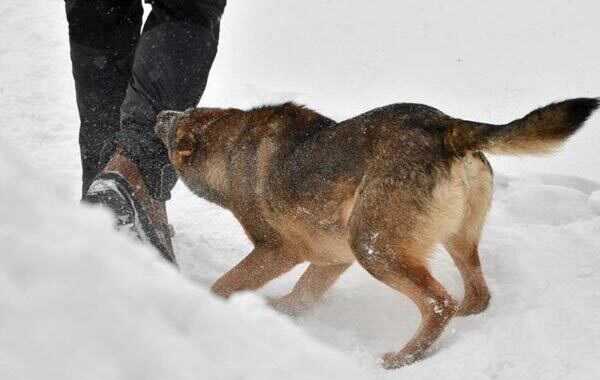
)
(562, 204)
(78, 301)
(594, 201)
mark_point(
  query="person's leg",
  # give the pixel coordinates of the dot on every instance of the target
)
(170, 70)
(103, 35)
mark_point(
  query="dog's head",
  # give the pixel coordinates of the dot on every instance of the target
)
(184, 133)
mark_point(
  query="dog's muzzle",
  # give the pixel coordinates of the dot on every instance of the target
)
(165, 125)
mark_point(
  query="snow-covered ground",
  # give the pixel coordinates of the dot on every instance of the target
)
(78, 301)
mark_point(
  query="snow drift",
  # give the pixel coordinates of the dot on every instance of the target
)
(78, 301)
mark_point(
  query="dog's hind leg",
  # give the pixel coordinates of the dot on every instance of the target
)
(463, 245)
(310, 288)
(404, 271)
(465, 254)
(392, 238)
(262, 265)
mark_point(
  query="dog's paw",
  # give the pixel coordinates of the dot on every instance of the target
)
(286, 306)
(472, 305)
(393, 360)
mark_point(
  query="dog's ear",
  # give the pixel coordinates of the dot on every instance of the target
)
(185, 146)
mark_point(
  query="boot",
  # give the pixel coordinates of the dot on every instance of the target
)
(121, 188)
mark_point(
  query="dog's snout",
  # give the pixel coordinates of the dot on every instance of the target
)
(167, 116)
(165, 121)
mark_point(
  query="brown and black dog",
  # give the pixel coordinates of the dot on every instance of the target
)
(382, 188)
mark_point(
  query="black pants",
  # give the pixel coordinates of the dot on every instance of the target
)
(123, 78)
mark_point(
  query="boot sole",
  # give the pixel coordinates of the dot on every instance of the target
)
(112, 191)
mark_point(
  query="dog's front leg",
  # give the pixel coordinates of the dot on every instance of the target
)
(261, 266)
(310, 288)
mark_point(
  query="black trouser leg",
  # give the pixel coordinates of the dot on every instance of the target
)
(103, 35)
(170, 69)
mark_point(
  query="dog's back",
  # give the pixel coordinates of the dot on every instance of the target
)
(322, 173)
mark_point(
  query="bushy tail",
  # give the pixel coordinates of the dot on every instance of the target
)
(541, 131)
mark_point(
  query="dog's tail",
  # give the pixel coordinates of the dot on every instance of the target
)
(541, 131)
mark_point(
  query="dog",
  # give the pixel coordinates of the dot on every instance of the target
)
(382, 188)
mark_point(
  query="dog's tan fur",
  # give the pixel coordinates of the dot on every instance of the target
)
(382, 189)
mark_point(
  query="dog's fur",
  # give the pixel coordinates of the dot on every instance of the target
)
(382, 188)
